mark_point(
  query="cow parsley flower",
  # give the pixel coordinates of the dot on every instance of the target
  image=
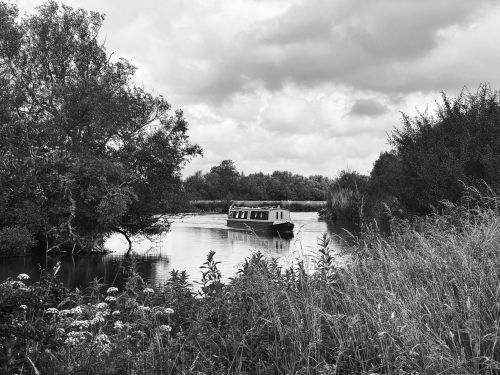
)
(110, 299)
(143, 308)
(75, 338)
(52, 310)
(74, 311)
(80, 324)
(169, 311)
(165, 328)
(23, 276)
(102, 339)
(102, 305)
(148, 290)
(112, 289)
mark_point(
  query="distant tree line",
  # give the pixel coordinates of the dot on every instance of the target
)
(225, 182)
(435, 158)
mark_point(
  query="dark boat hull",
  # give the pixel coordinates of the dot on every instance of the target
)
(282, 229)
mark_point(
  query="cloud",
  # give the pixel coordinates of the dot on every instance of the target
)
(367, 107)
(357, 43)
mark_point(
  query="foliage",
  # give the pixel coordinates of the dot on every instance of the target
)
(224, 182)
(435, 157)
(347, 200)
(422, 301)
(15, 241)
(83, 151)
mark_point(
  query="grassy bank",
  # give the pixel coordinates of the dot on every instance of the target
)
(423, 301)
(222, 206)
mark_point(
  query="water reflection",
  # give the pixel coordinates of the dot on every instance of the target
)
(271, 244)
(185, 247)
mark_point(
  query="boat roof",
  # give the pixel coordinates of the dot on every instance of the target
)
(258, 208)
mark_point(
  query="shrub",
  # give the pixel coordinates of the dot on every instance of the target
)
(15, 241)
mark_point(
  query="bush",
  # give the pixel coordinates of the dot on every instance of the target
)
(15, 241)
(435, 156)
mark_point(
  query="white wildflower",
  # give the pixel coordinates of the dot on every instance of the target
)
(52, 310)
(169, 311)
(112, 289)
(99, 318)
(18, 284)
(110, 299)
(148, 290)
(116, 313)
(102, 305)
(23, 276)
(144, 308)
(81, 324)
(165, 328)
(118, 324)
(23, 307)
(75, 338)
(102, 339)
(74, 311)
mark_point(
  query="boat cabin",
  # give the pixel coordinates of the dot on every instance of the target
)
(262, 214)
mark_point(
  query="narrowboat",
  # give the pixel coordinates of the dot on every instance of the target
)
(274, 220)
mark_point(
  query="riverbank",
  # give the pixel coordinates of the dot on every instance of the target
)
(421, 301)
(222, 206)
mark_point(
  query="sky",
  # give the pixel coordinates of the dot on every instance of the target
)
(307, 86)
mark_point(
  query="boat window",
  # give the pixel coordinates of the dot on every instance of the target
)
(281, 215)
(244, 214)
(253, 215)
(276, 215)
(232, 215)
(265, 215)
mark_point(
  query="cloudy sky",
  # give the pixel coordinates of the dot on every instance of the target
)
(309, 86)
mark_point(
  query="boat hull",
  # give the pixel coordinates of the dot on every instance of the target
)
(282, 229)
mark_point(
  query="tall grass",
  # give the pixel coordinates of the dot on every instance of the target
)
(344, 205)
(425, 300)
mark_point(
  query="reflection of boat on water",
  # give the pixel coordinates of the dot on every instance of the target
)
(261, 220)
(269, 242)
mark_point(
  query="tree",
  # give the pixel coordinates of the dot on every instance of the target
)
(84, 152)
(434, 157)
(222, 180)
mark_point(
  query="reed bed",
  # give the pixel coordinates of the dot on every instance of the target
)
(425, 300)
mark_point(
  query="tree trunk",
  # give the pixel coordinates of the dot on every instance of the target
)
(126, 237)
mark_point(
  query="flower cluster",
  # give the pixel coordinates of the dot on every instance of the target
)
(74, 311)
(80, 324)
(165, 328)
(112, 289)
(76, 337)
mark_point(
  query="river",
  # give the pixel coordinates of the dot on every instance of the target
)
(184, 247)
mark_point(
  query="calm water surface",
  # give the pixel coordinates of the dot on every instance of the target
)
(184, 247)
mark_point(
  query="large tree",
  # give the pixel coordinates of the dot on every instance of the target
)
(84, 151)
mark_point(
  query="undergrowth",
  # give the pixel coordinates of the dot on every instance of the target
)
(424, 300)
